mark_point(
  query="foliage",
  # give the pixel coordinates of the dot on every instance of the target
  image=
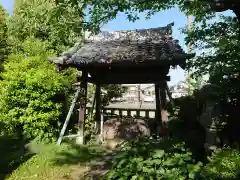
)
(218, 41)
(224, 164)
(108, 92)
(154, 159)
(32, 93)
(100, 12)
(90, 130)
(111, 91)
(3, 35)
(27, 71)
(221, 51)
(59, 24)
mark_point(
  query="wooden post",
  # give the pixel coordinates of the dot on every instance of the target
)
(163, 104)
(139, 93)
(101, 127)
(128, 113)
(98, 107)
(93, 106)
(158, 108)
(120, 113)
(147, 114)
(137, 113)
(82, 109)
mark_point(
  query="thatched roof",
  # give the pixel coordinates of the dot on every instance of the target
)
(136, 46)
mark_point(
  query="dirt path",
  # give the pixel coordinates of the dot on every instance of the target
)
(95, 169)
(100, 166)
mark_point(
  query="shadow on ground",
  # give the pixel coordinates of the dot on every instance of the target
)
(78, 154)
(100, 160)
(96, 157)
(13, 153)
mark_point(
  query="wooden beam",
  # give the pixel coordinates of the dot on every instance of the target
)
(98, 107)
(82, 110)
(68, 117)
(128, 79)
(173, 61)
(128, 75)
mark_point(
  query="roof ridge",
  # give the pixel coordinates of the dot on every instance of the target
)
(164, 32)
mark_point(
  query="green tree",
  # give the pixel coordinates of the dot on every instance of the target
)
(60, 24)
(3, 35)
(221, 59)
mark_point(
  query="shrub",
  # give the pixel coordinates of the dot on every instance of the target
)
(31, 94)
(154, 159)
(223, 164)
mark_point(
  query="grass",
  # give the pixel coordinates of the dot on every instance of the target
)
(54, 162)
(13, 153)
(51, 161)
(73, 162)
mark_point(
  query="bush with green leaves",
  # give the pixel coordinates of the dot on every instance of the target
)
(223, 164)
(161, 158)
(32, 94)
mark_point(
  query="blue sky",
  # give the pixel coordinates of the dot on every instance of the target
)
(7, 4)
(159, 19)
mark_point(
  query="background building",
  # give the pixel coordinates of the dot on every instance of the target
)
(179, 90)
(137, 93)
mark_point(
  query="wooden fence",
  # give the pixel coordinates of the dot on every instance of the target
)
(133, 110)
(146, 111)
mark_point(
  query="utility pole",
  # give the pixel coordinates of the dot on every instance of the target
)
(190, 21)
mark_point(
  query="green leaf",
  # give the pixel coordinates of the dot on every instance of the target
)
(158, 153)
(134, 177)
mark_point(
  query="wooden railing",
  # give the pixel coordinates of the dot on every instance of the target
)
(127, 110)
(146, 111)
